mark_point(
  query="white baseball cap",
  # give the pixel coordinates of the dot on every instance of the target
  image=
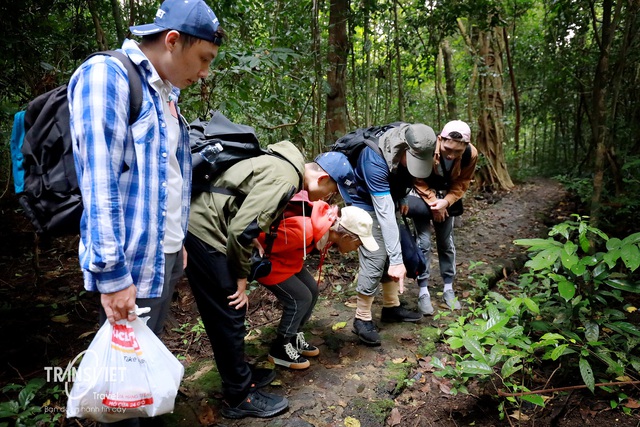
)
(359, 222)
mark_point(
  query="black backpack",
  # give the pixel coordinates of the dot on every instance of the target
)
(218, 144)
(50, 197)
(354, 142)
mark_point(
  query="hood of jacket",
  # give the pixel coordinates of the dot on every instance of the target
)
(292, 154)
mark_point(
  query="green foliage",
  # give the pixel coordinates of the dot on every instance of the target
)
(569, 309)
(31, 406)
(190, 334)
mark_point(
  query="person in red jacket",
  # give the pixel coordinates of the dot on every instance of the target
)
(293, 284)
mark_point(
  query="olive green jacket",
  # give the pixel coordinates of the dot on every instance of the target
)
(258, 190)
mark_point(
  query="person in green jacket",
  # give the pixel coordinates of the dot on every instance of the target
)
(219, 242)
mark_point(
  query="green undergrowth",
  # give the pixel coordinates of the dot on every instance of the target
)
(570, 311)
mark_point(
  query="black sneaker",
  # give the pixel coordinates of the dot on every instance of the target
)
(399, 314)
(303, 347)
(366, 331)
(286, 355)
(257, 404)
(262, 377)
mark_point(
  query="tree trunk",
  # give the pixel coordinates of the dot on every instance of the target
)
(132, 13)
(493, 175)
(398, 63)
(514, 89)
(438, 91)
(317, 65)
(599, 128)
(337, 62)
(450, 81)
(117, 18)
(100, 37)
(366, 46)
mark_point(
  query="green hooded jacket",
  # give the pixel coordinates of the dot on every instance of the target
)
(259, 189)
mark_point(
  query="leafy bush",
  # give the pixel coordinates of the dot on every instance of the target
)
(569, 308)
(21, 410)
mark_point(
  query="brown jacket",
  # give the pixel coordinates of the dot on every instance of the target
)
(460, 178)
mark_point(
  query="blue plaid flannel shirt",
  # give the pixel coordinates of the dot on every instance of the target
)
(122, 173)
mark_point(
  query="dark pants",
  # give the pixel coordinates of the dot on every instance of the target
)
(211, 283)
(159, 310)
(298, 295)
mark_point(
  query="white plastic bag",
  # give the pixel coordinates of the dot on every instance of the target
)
(126, 372)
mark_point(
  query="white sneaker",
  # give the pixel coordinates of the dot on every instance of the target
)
(424, 304)
(449, 297)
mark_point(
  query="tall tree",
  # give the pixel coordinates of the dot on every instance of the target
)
(604, 35)
(117, 18)
(490, 137)
(336, 123)
(396, 43)
(449, 79)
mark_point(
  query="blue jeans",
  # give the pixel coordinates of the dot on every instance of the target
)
(444, 244)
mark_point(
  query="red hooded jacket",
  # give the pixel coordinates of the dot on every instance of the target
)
(297, 236)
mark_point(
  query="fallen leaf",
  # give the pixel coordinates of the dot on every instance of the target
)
(253, 334)
(399, 360)
(351, 422)
(632, 404)
(351, 304)
(445, 388)
(86, 334)
(394, 417)
(631, 309)
(339, 325)
(63, 318)
(519, 416)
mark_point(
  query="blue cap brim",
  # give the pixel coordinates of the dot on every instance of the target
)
(146, 29)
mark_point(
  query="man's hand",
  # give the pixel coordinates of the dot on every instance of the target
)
(439, 210)
(185, 257)
(258, 246)
(120, 305)
(240, 298)
(404, 206)
(397, 272)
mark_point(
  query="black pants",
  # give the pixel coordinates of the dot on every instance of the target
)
(298, 295)
(211, 283)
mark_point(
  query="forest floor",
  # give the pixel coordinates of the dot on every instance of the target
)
(46, 319)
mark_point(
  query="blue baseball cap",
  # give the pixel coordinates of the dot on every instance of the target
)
(192, 17)
(339, 169)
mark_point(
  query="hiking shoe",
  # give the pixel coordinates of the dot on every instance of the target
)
(262, 377)
(366, 330)
(449, 298)
(424, 305)
(399, 314)
(287, 356)
(257, 404)
(303, 347)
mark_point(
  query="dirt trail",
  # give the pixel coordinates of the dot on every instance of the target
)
(352, 380)
(46, 317)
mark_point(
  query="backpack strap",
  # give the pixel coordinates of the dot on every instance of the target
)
(135, 82)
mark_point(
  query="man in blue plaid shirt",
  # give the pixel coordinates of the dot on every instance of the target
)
(135, 179)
